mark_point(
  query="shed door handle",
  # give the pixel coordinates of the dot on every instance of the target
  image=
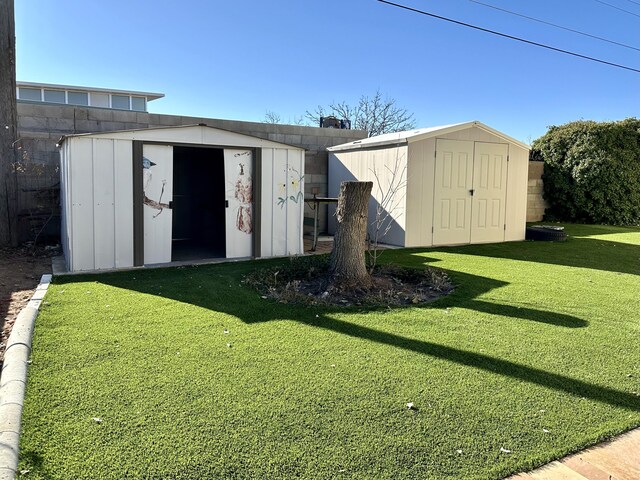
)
(471, 191)
(226, 204)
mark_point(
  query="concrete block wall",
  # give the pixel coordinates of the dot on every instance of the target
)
(536, 205)
(40, 126)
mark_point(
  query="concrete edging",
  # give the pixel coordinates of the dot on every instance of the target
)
(13, 381)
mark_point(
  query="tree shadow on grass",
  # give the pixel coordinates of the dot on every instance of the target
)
(34, 463)
(225, 295)
(576, 251)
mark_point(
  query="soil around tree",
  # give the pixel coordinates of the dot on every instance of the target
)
(306, 281)
(20, 272)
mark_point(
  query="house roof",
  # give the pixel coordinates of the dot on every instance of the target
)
(408, 136)
(141, 133)
(76, 88)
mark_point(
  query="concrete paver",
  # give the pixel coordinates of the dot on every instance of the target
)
(617, 459)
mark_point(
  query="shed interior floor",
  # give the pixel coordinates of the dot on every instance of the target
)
(198, 203)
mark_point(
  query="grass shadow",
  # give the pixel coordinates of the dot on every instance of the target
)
(34, 463)
(584, 248)
(185, 284)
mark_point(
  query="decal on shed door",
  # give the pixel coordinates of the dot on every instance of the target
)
(490, 192)
(452, 197)
(157, 187)
(238, 173)
(470, 189)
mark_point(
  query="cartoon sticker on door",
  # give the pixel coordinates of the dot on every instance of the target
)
(157, 187)
(238, 169)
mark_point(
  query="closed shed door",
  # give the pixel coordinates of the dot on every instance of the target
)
(470, 188)
(490, 192)
(452, 198)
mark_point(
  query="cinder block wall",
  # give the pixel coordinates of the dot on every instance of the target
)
(536, 205)
(40, 126)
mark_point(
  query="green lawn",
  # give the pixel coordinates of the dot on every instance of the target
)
(537, 352)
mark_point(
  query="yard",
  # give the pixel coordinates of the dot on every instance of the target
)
(186, 373)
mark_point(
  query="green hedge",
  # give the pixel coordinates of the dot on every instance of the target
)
(592, 171)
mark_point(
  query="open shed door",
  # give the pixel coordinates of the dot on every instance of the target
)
(157, 187)
(452, 192)
(238, 175)
(490, 192)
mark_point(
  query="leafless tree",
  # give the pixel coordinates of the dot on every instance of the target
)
(8, 124)
(390, 200)
(272, 117)
(375, 114)
(275, 118)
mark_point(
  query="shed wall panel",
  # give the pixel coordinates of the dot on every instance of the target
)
(517, 180)
(420, 180)
(295, 201)
(279, 218)
(387, 169)
(268, 200)
(81, 176)
(123, 203)
(103, 206)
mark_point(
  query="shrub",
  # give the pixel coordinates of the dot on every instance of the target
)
(592, 171)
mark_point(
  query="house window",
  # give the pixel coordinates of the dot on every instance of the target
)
(54, 96)
(32, 94)
(138, 104)
(78, 98)
(100, 100)
(120, 101)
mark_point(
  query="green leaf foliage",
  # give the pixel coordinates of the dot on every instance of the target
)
(592, 171)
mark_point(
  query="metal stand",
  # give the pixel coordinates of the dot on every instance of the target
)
(314, 204)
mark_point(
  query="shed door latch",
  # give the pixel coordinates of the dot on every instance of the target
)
(226, 204)
(472, 191)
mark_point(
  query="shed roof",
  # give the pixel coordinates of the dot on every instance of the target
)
(408, 136)
(157, 133)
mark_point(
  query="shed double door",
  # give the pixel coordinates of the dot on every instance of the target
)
(470, 188)
(157, 190)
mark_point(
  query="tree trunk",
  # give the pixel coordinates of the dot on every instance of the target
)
(8, 125)
(348, 267)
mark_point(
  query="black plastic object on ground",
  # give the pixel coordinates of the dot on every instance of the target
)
(546, 232)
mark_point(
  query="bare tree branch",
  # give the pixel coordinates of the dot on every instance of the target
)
(375, 114)
(272, 117)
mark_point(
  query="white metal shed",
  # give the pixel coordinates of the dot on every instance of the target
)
(455, 184)
(154, 196)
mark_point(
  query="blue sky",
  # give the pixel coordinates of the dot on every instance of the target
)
(237, 59)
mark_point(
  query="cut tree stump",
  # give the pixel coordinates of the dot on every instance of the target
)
(348, 268)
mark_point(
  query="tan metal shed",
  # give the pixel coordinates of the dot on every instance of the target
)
(160, 195)
(455, 184)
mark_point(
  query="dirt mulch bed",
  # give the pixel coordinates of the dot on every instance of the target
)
(20, 273)
(306, 281)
